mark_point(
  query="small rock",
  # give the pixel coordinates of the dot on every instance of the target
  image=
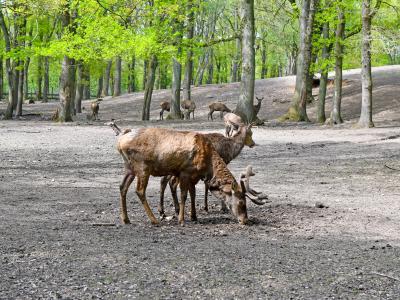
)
(320, 205)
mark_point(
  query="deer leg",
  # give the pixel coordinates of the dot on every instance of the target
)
(221, 114)
(173, 185)
(163, 185)
(224, 208)
(192, 192)
(141, 186)
(184, 191)
(123, 188)
(205, 196)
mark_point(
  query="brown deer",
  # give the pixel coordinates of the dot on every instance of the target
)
(189, 106)
(257, 106)
(95, 110)
(189, 156)
(217, 106)
(165, 105)
(227, 148)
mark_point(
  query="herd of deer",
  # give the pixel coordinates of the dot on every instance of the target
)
(189, 106)
(183, 158)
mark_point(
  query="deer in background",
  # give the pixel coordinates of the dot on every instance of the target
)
(217, 106)
(189, 156)
(227, 148)
(94, 106)
(257, 106)
(165, 105)
(189, 106)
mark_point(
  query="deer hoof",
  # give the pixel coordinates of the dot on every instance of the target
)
(125, 220)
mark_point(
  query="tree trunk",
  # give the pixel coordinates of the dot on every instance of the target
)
(86, 82)
(189, 56)
(324, 76)
(20, 93)
(176, 90)
(132, 76)
(99, 87)
(66, 89)
(1, 78)
(297, 111)
(79, 87)
(9, 70)
(236, 58)
(210, 66)
(149, 86)
(117, 76)
(203, 62)
(264, 69)
(366, 76)
(106, 80)
(39, 79)
(245, 108)
(336, 117)
(145, 66)
(46, 79)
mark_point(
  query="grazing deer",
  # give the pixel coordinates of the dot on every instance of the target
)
(189, 106)
(217, 106)
(189, 156)
(165, 105)
(227, 148)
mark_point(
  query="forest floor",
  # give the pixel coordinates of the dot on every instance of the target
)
(58, 182)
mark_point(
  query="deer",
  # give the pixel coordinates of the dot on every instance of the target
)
(217, 106)
(257, 106)
(165, 105)
(189, 106)
(187, 155)
(227, 148)
(95, 110)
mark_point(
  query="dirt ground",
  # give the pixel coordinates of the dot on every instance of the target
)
(59, 181)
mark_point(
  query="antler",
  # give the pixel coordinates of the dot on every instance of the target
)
(116, 129)
(256, 197)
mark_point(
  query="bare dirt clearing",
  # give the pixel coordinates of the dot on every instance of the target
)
(58, 181)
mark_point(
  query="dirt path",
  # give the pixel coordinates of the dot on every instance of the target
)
(58, 181)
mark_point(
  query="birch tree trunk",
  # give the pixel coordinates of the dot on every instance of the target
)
(336, 117)
(245, 107)
(366, 76)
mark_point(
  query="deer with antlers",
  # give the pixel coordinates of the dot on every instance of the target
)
(189, 156)
(227, 149)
